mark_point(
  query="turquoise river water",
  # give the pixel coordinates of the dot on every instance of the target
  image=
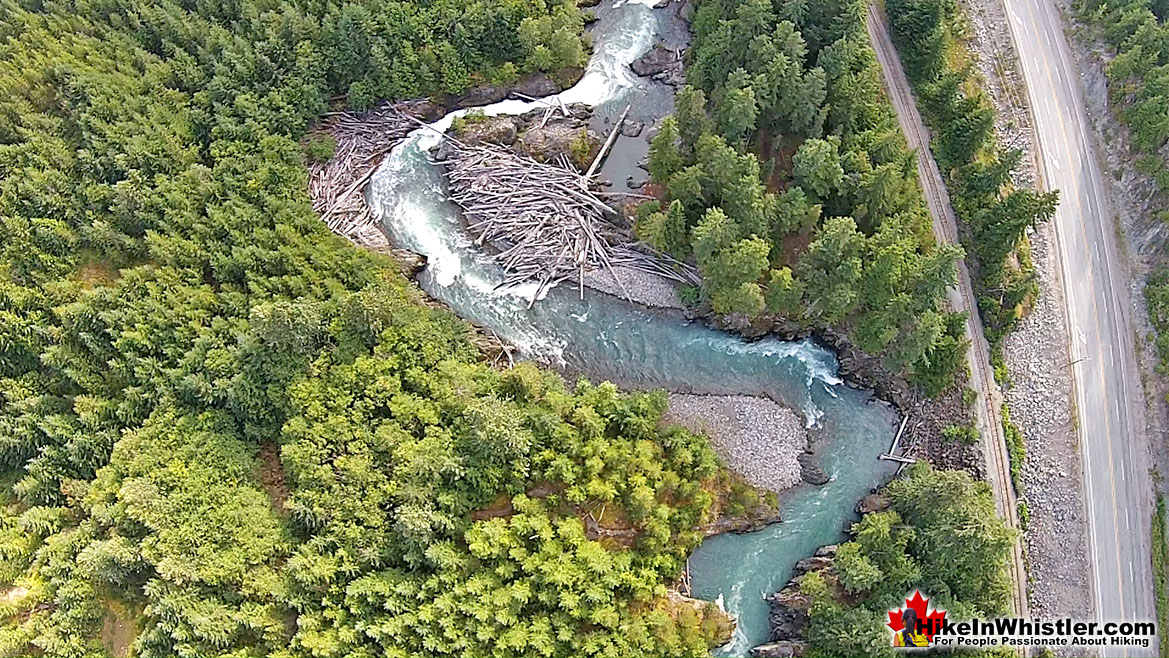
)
(609, 338)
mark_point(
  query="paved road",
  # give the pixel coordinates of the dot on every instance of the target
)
(1114, 447)
(945, 226)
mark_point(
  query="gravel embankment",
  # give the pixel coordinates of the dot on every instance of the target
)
(992, 46)
(1040, 404)
(1036, 354)
(755, 437)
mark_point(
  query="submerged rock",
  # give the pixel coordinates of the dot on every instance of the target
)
(635, 182)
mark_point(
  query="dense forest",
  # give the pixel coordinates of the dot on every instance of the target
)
(994, 215)
(785, 176)
(1138, 83)
(226, 431)
(1138, 75)
(939, 534)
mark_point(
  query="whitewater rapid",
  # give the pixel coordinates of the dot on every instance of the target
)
(606, 337)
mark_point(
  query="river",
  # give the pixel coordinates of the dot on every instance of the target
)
(610, 338)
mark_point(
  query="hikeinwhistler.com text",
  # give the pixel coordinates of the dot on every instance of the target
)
(1019, 632)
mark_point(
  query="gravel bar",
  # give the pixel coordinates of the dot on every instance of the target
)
(755, 437)
(645, 288)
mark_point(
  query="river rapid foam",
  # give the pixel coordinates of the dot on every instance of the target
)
(606, 337)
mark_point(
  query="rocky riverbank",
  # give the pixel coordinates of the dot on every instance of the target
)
(925, 435)
(788, 620)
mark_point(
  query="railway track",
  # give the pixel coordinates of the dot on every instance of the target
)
(945, 225)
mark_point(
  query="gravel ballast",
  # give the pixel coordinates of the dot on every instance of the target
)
(755, 437)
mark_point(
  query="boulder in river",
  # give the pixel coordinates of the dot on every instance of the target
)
(635, 182)
(810, 470)
(658, 59)
(632, 128)
(495, 130)
(673, 76)
(546, 143)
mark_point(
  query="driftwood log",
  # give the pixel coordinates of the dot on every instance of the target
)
(545, 222)
(363, 140)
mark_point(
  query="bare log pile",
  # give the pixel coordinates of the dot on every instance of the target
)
(545, 222)
(363, 140)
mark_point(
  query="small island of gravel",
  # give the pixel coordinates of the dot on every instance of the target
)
(755, 437)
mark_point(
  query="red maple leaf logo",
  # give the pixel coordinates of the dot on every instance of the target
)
(929, 623)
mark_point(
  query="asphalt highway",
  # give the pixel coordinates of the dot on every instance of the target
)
(1113, 444)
